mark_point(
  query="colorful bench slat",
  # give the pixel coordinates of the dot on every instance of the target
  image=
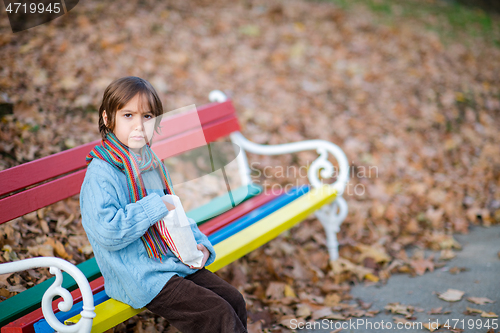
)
(256, 215)
(112, 312)
(223, 203)
(271, 226)
(25, 323)
(42, 326)
(224, 219)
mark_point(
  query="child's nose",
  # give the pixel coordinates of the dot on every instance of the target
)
(139, 125)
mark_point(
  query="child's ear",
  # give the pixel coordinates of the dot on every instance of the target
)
(105, 118)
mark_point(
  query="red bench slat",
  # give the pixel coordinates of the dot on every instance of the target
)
(176, 124)
(48, 167)
(43, 195)
(37, 171)
(246, 207)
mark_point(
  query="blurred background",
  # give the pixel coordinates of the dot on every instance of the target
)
(410, 90)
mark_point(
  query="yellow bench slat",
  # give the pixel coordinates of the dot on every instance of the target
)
(112, 312)
(109, 314)
(269, 227)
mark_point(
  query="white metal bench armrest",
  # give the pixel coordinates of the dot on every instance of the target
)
(56, 265)
(321, 146)
(321, 163)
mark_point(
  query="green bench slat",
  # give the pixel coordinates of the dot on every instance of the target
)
(223, 203)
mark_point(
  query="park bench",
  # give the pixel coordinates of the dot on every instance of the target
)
(236, 223)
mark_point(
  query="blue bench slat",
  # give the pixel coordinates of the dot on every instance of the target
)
(42, 326)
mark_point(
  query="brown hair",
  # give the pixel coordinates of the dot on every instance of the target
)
(120, 92)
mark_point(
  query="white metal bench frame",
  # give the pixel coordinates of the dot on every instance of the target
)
(330, 216)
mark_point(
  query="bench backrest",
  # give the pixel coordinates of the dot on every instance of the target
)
(33, 185)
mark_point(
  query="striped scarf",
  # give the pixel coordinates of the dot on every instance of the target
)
(120, 156)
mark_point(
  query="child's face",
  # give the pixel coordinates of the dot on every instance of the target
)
(133, 128)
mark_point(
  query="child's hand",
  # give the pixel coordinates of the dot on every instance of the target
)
(206, 254)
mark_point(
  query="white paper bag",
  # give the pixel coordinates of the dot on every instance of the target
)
(175, 228)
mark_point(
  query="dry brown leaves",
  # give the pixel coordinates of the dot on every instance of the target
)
(480, 300)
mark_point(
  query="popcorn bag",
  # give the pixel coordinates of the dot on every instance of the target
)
(175, 229)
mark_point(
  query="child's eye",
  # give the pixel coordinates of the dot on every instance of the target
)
(127, 115)
(148, 116)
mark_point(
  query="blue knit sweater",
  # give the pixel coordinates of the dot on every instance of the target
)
(114, 227)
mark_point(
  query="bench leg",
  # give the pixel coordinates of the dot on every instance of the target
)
(331, 217)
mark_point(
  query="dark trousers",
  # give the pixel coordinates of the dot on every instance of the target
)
(201, 303)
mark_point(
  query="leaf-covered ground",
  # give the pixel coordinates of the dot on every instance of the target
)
(416, 111)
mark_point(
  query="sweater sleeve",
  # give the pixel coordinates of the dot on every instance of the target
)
(202, 239)
(111, 225)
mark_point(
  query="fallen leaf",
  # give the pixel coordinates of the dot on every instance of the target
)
(436, 311)
(364, 305)
(472, 310)
(303, 310)
(400, 320)
(489, 315)
(336, 316)
(342, 265)
(16, 288)
(396, 308)
(4, 282)
(456, 270)
(376, 252)
(421, 265)
(289, 292)
(4, 293)
(58, 248)
(432, 326)
(287, 321)
(459, 330)
(371, 313)
(354, 313)
(479, 300)
(447, 254)
(322, 313)
(275, 290)
(371, 277)
(451, 295)
(332, 299)
(254, 327)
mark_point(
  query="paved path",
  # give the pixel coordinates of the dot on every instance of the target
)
(479, 255)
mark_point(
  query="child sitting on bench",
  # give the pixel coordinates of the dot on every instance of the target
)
(121, 203)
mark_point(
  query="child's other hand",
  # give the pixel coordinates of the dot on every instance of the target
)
(169, 206)
(206, 254)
